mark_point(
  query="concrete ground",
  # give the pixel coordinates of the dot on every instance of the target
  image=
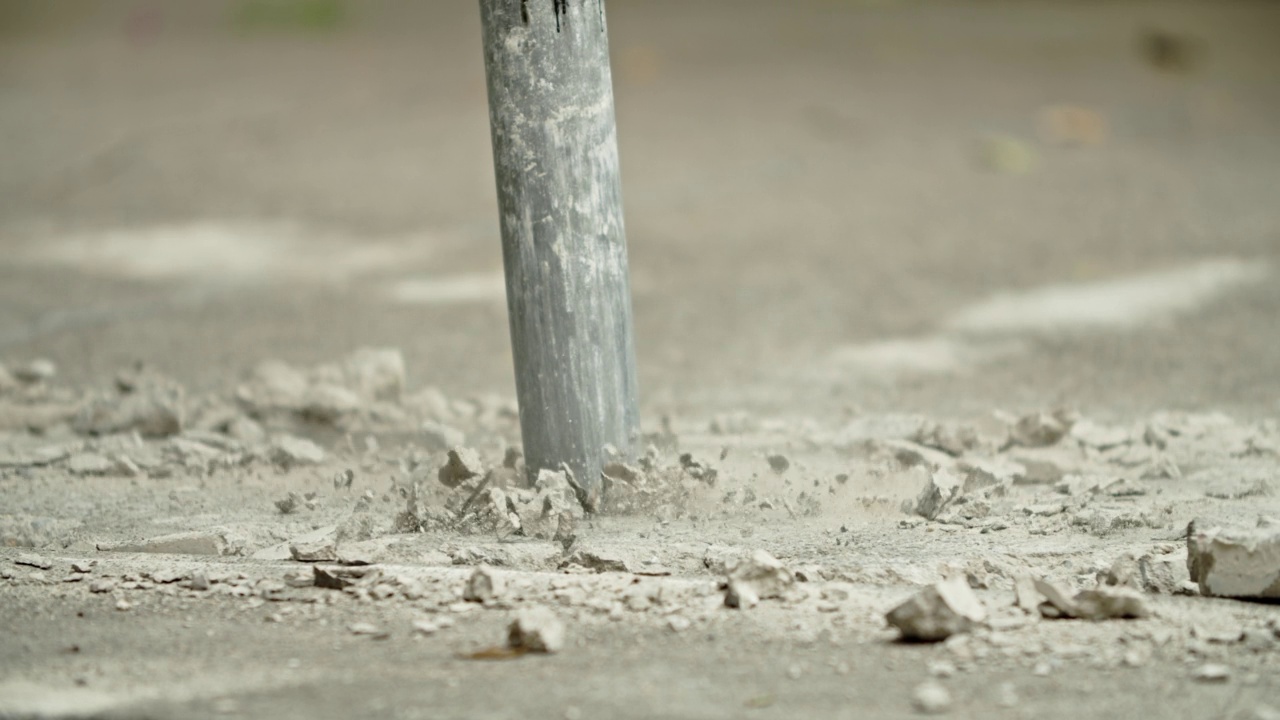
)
(836, 211)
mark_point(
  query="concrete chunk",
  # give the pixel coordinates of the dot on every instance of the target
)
(186, 543)
(536, 629)
(755, 577)
(938, 612)
(1110, 603)
(943, 488)
(1235, 562)
(484, 586)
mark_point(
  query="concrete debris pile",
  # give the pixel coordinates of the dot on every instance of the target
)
(369, 381)
(951, 607)
(466, 495)
(146, 424)
(1057, 470)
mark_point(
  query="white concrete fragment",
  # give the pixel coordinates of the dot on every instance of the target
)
(931, 698)
(1047, 465)
(1039, 429)
(375, 373)
(1235, 562)
(938, 612)
(86, 463)
(484, 586)
(323, 550)
(1028, 598)
(199, 542)
(34, 561)
(1058, 599)
(982, 473)
(1100, 437)
(37, 371)
(941, 490)
(1110, 603)
(536, 629)
(755, 577)
(1211, 673)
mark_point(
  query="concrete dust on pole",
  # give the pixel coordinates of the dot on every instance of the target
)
(555, 155)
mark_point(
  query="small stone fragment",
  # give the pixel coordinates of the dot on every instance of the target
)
(324, 550)
(1108, 603)
(123, 605)
(165, 576)
(368, 630)
(375, 373)
(931, 698)
(361, 552)
(289, 504)
(484, 586)
(1038, 430)
(1123, 572)
(425, 626)
(938, 612)
(34, 561)
(1028, 598)
(943, 488)
(1059, 602)
(102, 585)
(942, 668)
(290, 451)
(198, 542)
(755, 577)
(1211, 673)
(1160, 573)
(83, 566)
(199, 581)
(37, 371)
(982, 473)
(1235, 562)
(1099, 437)
(463, 464)
(339, 577)
(593, 560)
(1047, 465)
(86, 463)
(154, 413)
(536, 629)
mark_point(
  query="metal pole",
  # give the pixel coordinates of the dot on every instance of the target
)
(555, 155)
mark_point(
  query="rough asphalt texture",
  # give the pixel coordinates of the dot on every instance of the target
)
(847, 221)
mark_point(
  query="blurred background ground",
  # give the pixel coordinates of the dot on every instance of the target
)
(816, 194)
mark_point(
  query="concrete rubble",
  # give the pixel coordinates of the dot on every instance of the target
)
(537, 630)
(755, 577)
(1054, 600)
(938, 612)
(484, 586)
(1043, 516)
(1234, 561)
(931, 698)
